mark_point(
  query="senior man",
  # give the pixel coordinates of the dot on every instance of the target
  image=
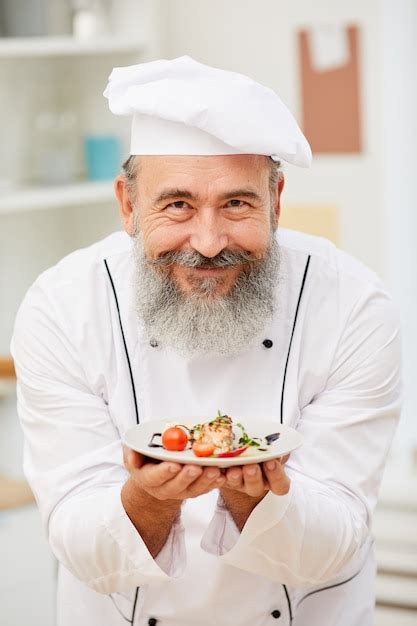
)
(204, 303)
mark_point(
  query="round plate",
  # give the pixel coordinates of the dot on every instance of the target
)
(138, 438)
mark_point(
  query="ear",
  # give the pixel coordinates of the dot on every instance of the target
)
(277, 199)
(125, 205)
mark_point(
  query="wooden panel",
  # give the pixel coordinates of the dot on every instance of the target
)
(321, 220)
(7, 367)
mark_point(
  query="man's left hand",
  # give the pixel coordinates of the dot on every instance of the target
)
(247, 485)
(255, 480)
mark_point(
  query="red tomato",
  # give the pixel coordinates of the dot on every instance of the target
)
(174, 439)
(203, 449)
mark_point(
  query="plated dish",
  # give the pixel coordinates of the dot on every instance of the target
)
(221, 441)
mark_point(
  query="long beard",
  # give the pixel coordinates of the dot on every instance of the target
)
(203, 323)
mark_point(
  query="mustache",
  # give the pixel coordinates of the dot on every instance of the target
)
(192, 258)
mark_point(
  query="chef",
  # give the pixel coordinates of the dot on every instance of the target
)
(202, 303)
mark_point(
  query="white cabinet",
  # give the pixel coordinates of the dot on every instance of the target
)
(40, 224)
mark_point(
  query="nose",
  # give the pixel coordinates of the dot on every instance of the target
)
(208, 236)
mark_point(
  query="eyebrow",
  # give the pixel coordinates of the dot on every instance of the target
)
(175, 192)
(241, 193)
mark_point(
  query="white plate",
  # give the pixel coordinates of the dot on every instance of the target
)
(138, 438)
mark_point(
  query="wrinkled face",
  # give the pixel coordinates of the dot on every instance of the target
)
(203, 204)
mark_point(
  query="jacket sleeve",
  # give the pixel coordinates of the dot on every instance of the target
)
(73, 460)
(307, 536)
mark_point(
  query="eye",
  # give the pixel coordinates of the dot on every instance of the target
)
(178, 204)
(236, 204)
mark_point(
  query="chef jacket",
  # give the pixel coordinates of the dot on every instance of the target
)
(327, 364)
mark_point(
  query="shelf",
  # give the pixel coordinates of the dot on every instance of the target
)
(13, 47)
(40, 198)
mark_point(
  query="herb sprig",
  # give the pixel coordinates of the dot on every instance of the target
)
(245, 440)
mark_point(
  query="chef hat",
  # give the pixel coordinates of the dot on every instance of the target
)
(185, 107)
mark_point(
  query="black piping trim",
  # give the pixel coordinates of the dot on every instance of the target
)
(343, 582)
(292, 335)
(289, 603)
(126, 619)
(132, 619)
(124, 342)
(134, 605)
(329, 587)
(283, 388)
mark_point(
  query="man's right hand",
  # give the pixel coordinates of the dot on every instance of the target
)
(155, 491)
(171, 481)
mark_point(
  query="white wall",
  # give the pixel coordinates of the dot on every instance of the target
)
(399, 29)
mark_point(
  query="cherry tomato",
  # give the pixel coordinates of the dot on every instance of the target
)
(202, 449)
(174, 439)
(226, 455)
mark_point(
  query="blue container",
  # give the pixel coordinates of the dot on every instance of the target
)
(102, 155)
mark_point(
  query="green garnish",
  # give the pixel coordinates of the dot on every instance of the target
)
(244, 439)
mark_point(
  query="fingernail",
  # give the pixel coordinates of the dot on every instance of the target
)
(193, 471)
(212, 474)
(251, 471)
(271, 465)
(173, 469)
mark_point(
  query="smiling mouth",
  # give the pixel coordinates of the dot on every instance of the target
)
(207, 271)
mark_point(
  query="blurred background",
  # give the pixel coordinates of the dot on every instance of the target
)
(347, 70)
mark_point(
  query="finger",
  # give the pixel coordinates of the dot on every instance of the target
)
(125, 453)
(234, 478)
(152, 476)
(278, 481)
(210, 479)
(253, 480)
(284, 459)
(175, 488)
(132, 459)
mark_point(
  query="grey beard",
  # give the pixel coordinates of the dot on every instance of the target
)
(202, 322)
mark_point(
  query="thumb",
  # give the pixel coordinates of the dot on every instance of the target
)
(132, 459)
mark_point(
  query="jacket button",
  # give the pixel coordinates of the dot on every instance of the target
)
(152, 621)
(268, 343)
(275, 613)
(153, 343)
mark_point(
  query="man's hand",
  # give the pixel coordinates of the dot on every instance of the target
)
(255, 480)
(247, 485)
(153, 494)
(171, 481)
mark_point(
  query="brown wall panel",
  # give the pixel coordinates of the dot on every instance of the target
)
(331, 100)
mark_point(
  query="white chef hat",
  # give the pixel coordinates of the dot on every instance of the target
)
(185, 107)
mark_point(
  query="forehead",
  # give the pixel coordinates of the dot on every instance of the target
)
(195, 171)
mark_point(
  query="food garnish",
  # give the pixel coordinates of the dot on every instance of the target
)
(231, 453)
(214, 439)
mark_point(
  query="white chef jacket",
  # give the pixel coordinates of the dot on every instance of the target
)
(87, 371)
